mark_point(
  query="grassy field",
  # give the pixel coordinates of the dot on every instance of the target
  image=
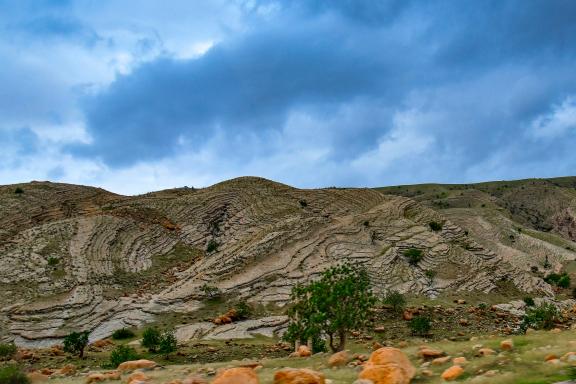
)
(525, 364)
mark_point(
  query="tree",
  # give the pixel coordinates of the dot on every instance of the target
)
(336, 303)
(420, 325)
(168, 342)
(543, 316)
(151, 339)
(76, 342)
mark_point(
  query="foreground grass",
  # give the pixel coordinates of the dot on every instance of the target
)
(524, 365)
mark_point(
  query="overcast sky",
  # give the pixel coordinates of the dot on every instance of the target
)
(141, 95)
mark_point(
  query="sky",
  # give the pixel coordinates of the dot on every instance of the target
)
(141, 95)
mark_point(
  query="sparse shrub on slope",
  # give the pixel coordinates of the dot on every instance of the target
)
(543, 316)
(121, 354)
(414, 255)
(420, 325)
(12, 374)
(168, 342)
(396, 300)
(7, 351)
(151, 339)
(121, 334)
(435, 226)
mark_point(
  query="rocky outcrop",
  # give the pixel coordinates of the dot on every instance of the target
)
(80, 258)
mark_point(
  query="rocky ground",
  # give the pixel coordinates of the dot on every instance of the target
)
(538, 357)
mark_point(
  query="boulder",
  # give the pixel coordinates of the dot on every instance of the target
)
(452, 373)
(339, 359)
(236, 375)
(303, 351)
(98, 377)
(388, 366)
(429, 353)
(67, 370)
(136, 364)
(441, 360)
(461, 360)
(507, 345)
(486, 352)
(137, 377)
(298, 376)
(193, 379)
(37, 377)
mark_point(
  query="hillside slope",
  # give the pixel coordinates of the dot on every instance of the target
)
(74, 257)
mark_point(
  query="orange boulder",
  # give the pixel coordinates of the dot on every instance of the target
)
(298, 376)
(236, 376)
(339, 359)
(136, 364)
(452, 373)
(388, 366)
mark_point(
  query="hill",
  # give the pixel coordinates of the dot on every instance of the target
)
(81, 258)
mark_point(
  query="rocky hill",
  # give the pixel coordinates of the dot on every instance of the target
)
(81, 258)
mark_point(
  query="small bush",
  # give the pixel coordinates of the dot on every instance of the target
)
(482, 306)
(7, 351)
(210, 291)
(121, 334)
(413, 255)
(12, 374)
(243, 310)
(168, 343)
(435, 226)
(430, 274)
(562, 281)
(18, 191)
(396, 300)
(212, 246)
(121, 354)
(75, 343)
(420, 325)
(529, 301)
(52, 261)
(534, 269)
(541, 317)
(151, 339)
(303, 203)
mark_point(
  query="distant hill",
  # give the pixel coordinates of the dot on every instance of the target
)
(75, 257)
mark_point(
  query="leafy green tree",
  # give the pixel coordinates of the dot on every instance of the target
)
(168, 343)
(7, 351)
(121, 354)
(396, 300)
(75, 343)
(151, 339)
(336, 303)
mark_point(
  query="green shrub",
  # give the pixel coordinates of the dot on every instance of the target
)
(18, 191)
(12, 374)
(413, 255)
(303, 203)
(529, 301)
(482, 306)
(420, 325)
(396, 300)
(435, 226)
(212, 246)
(543, 316)
(52, 261)
(430, 274)
(243, 310)
(121, 354)
(151, 339)
(121, 334)
(562, 281)
(75, 343)
(7, 351)
(168, 342)
(210, 291)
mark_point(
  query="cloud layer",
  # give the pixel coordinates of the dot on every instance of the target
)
(312, 93)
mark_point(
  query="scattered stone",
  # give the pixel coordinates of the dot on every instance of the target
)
(507, 345)
(137, 377)
(550, 356)
(461, 360)
(303, 351)
(236, 376)
(388, 365)
(429, 353)
(298, 376)
(452, 373)
(486, 352)
(97, 377)
(427, 373)
(136, 364)
(441, 360)
(339, 359)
